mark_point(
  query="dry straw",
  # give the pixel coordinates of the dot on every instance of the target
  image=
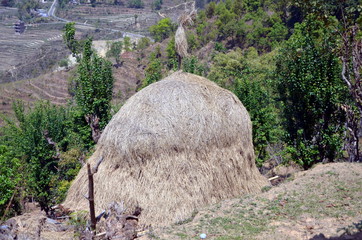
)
(175, 146)
(180, 36)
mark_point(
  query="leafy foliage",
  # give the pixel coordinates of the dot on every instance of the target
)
(153, 72)
(311, 89)
(115, 51)
(162, 29)
(26, 8)
(69, 38)
(171, 55)
(30, 140)
(192, 65)
(10, 175)
(127, 43)
(143, 43)
(157, 5)
(94, 85)
(135, 4)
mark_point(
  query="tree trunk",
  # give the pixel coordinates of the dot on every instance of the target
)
(351, 66)
(93, 122)
(91, 198)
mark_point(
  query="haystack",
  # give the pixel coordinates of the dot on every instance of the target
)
(175, 146)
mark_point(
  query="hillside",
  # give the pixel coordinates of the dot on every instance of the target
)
(321, 203)
(318, 204)
(54, 87)
(294, 65)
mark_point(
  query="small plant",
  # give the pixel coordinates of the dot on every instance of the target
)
(187, 220)
(79, 221)
(64, 63)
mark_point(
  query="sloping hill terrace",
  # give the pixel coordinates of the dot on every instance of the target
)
(53, 87)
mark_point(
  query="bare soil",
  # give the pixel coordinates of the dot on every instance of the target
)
(321, 203)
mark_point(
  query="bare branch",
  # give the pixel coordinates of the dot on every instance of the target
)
(344, 63)
(95, 168)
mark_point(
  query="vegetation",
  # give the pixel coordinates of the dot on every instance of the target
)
(312, 90)
(162, 30)
(69, 38)
(44, 147)
(94, 86)
(26, 9)
(295, 65)
(135, 4)
(115, 51)
(282, 59)
(157, 5)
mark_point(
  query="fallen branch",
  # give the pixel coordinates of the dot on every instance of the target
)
(8, 206)
(273, 178)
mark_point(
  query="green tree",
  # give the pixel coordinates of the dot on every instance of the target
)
(10, 176)
(153, 71)
(143, 43)
(69, 38)
(36, 138)
(162, 30)
(192, 65)
(94, 86)
(311, 89)
(135, 4)
(127, 43)
(171, 55)
(115, 51)
(157, 5)
(25, 9)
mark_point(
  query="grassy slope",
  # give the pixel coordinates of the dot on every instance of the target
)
(319, 201)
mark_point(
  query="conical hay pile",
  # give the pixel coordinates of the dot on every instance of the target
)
(175, 146)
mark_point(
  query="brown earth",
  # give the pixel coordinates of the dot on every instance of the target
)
(321, 203)
(318, 204)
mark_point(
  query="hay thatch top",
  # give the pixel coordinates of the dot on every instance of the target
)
(183, 112)
(180, 36)
(175, 146)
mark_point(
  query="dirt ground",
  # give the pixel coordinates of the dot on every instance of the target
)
(322, 203)
(319, 204)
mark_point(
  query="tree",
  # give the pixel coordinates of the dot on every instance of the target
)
(351, 56)
(171, 55)
(25, 9)
(94, 86)
(143, 43)
(35, 139)
(135, 4)
(115, 51)
(153, 71)
(311, 89)
(127, 43)
(69, 38)
(10, 177)
(162, 30)
(157, 5)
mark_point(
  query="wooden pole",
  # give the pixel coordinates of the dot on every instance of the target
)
(92, 213)
(91, 198)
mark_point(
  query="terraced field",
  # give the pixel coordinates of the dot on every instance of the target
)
(53, 87)
(22, 54)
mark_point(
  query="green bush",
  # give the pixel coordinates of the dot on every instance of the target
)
(310, 86)
(135, 4)
(162, 30)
